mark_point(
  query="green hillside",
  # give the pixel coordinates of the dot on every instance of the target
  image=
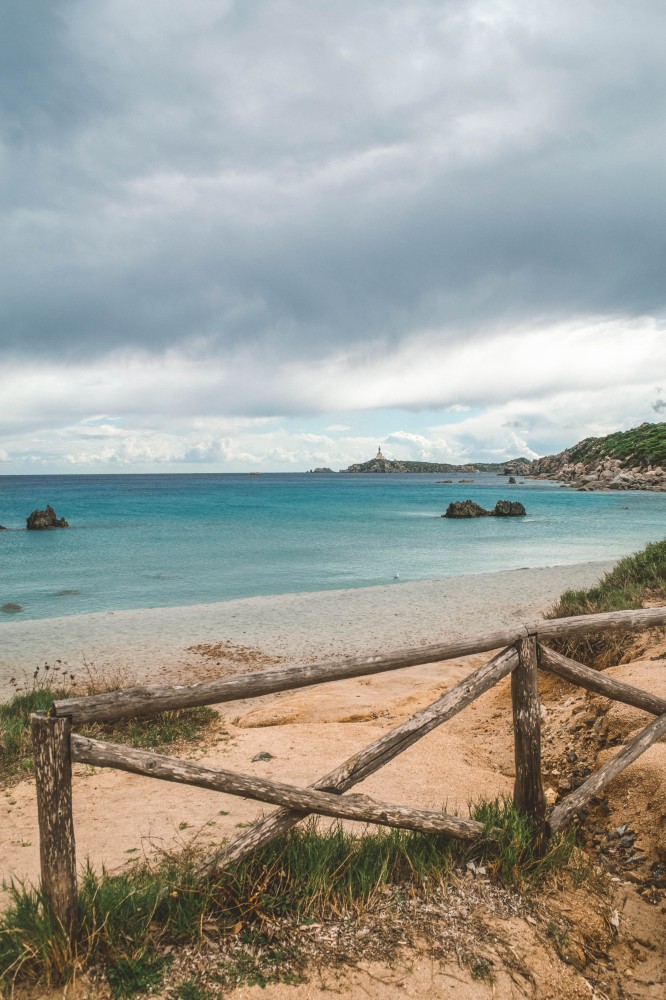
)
(640, 446)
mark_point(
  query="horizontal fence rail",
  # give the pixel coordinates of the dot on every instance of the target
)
(56, 747)
(355, 807)
(157, 698)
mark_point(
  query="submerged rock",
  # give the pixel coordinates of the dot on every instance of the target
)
(10, 608)
(2, 527)
(43, 520)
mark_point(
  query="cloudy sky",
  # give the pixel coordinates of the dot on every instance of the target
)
(269, 234)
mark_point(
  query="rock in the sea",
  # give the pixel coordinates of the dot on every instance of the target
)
(2, 527)
(512, 480)
(43, 520)
(508, 508)
(467, 508)
(10, 608)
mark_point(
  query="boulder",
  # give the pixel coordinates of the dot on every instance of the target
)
(508, 508)
(2, 527)
(512, 480)
(465, 508)
(44, 520)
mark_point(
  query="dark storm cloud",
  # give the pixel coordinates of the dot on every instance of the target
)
(305, 179)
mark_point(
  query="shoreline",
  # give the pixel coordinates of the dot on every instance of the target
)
(155, 643)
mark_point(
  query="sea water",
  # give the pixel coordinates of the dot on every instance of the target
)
(142, 541)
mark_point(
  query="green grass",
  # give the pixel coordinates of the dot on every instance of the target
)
(154, 732)
(127, 920)
(636, 578)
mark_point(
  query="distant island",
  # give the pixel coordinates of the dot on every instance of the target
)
(625, 460)
(382, 464)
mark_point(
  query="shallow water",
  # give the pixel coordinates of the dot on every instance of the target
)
(140, 541)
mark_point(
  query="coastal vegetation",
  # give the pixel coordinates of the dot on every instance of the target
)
(129, 923)
(162, 731)
(641, 446)
(633, 582)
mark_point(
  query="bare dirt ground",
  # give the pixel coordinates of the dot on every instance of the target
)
(598, 936)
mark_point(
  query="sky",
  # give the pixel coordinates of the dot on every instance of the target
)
(267, 235)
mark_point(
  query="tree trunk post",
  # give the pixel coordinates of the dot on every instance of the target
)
(528, 794)
(53, 778)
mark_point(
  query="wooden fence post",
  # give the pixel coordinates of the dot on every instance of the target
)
(528, 793)
(53, 778)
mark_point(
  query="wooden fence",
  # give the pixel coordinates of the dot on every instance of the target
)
(522, 654)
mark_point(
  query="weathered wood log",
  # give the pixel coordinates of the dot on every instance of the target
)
(608, 621)
(528, 794)
(566, 809)
(371, 758)
(157, 698)
(600, 683)
(53, 780)
(354, 807)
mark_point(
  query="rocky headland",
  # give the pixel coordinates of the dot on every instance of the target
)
(627, 460)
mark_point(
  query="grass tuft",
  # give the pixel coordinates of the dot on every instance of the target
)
(636, 579)
(127, 920)
(155, 732)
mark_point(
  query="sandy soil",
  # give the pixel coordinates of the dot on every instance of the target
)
(602, 940)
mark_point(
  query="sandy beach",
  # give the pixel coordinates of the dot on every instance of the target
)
(155, 643)
(297, 736)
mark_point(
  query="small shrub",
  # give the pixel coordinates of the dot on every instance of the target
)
(628, 585)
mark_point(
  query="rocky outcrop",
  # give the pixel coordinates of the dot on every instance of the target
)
(2, 527)
(519, 467)
(468, 508)
(45, 520)
(324, 469)
(465, 508)
(508, 508)
(625, 460)
(608, 474)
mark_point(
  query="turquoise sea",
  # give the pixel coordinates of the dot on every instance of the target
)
(142, 541)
